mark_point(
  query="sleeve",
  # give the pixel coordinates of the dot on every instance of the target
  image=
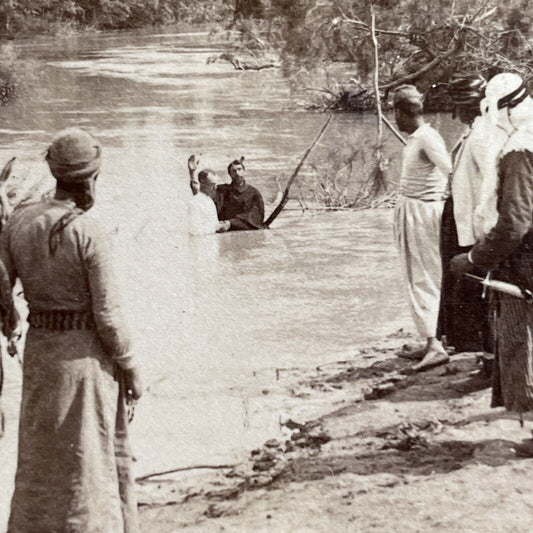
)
(515, 211)
(8, 312)
(5, 254)
(435, 150)
(252, 217)
(105, 297)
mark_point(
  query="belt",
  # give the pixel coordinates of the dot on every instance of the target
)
(442, 199)
(61, 320)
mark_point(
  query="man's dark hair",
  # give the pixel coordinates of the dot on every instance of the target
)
(236, 162)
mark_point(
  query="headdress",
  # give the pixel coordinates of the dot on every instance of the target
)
(467, 89)
(74, 155)
(407, 98)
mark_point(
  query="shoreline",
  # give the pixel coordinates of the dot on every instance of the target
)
(366, 448)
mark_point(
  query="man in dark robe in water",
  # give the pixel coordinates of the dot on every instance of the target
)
(239, 205)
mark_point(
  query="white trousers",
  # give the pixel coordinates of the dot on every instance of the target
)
(417, 235)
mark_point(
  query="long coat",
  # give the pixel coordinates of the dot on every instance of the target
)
(74, 463)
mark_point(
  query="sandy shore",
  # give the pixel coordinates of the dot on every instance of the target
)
(369, 449)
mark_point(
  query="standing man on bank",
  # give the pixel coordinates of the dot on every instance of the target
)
(74, 471)
(463, 317)
(417, 218)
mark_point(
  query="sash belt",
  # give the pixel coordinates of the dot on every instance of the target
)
(61, 320)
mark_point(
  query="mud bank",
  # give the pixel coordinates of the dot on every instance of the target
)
(373, 450)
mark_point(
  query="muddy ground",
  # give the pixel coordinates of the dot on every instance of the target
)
(379, 451)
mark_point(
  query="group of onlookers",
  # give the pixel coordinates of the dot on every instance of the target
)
(470, 215)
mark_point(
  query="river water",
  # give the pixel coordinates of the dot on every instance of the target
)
(213, 317)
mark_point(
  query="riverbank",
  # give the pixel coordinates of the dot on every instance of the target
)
(365, 448)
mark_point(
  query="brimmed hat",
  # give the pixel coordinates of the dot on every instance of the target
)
(467, 89)
(74, 155)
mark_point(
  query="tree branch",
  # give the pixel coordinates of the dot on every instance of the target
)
(414, 75)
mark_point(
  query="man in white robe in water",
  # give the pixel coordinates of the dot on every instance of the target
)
(426, 165)
(203, 219)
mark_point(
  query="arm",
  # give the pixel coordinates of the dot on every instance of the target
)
(107, 312)
(435, 150)
(8, 313)
(106, 306)
(192, 164)
(515, 211)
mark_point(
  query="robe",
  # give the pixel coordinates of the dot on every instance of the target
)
(74, 462)
(243, 206)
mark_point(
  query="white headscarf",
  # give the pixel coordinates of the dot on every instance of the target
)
(509, 127)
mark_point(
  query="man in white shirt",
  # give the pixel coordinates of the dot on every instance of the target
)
(203, 219)
(417, 218)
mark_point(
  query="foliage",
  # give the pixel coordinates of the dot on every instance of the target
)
(25, 16)
(8, 74)
(347, 177)
(419, 42)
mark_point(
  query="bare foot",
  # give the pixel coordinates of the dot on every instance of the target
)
(412, 352)
(432, 359)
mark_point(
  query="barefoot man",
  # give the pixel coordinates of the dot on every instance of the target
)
(417, 218)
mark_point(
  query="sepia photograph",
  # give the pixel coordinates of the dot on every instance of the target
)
(266, 266)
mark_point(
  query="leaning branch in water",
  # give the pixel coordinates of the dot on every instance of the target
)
(184, 469)
(285, 196)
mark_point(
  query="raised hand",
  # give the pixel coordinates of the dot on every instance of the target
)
(193, 163)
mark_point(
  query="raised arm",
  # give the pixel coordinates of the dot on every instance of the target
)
(192, 164)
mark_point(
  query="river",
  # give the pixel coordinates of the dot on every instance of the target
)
(213, 317)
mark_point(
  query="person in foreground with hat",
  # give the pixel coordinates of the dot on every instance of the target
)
(507, 249)
(417, 218)
(239, 205)
(463, 317)
(74, 463)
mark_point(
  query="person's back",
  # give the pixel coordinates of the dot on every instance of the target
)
(202, 213)
(74, 463)
(58, 280)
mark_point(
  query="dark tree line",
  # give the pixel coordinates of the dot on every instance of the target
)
(18, 16)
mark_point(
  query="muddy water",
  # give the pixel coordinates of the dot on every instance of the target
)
(213, 317)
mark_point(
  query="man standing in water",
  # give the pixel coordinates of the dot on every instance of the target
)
(238, 203)
(417, 218)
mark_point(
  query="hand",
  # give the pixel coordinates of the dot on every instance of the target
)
(132, 381)
(461, 265)
(13, 340)
(193, 163)
(223, 226)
